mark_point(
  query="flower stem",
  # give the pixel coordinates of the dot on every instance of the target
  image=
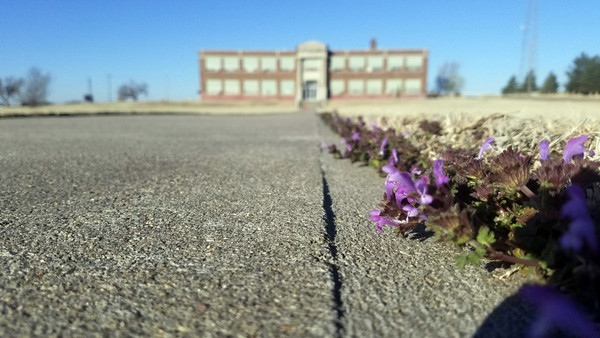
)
(532, 197)
(506, 258)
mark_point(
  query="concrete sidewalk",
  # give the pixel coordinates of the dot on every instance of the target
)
(212, 226)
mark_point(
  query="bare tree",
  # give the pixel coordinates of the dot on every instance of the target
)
(10, 87)
(36, 88)
(132, 90)
(448, 81)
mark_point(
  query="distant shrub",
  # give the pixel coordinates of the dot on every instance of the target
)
(132, 90)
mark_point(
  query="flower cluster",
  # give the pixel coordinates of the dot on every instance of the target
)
(505, 205)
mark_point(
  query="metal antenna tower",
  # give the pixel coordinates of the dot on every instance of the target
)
(530, 42)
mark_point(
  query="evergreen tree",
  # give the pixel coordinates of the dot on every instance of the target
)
(528, 84)
(511, 87)
(550, 84)
(584, 75)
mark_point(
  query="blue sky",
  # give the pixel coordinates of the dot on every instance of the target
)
(157, 42)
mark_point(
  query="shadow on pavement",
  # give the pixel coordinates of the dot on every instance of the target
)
(421, 233)
(511, 318)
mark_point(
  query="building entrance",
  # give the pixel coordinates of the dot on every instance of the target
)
(310, 91)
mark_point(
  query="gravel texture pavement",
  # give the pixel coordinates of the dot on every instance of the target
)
(215, 226)
(163, 225)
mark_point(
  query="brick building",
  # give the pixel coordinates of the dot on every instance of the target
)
(313, 73)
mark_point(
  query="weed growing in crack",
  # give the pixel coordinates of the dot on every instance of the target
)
(531, 212)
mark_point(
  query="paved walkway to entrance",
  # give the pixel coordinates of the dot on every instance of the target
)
(215, 226)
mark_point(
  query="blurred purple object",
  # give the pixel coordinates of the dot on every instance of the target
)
(556, 311)
(485, 146)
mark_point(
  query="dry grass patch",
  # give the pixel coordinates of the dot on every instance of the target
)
(466, 122)
(185, 107)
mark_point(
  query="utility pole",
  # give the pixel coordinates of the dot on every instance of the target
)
(529, 45)
(109, 89)
(167, 87)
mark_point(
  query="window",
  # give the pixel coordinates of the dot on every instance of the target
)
(213, 87)
(336, 87)
(375, 63)
(414, 62)
(232, 87)
(212, 63)
(268, 87)
(287, 63)
(286, 87)
(374, 87)
(337, 63)
(356, 63)
(250, 87)
(268, 64)
(356, 86)
(311, 64)
(231, 64)
(395, 62)
(413, 86)
(250, 64)
(393, 86)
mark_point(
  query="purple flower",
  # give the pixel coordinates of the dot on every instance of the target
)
(415, 171)
(410, 211)
(403, 184)
(324, 145)
(355, 136)
(485, 146)
(349, 147)
(438, 171)
(383, 145)
(382, 220)
(544, 151)
(395, 155)
(556, 311)
(373, 125)
(575, 147)
(404, 133)
(581, 230)
(421, 187)
(391, 178)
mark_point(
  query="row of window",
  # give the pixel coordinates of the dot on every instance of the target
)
(249, 87)
(250, 64)
(336, 87)
(375, 86)
(376, 62)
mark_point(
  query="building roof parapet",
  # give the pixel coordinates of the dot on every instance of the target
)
(312, 46)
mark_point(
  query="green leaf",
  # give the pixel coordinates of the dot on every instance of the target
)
(485, 236)
(473, 258)
(461, 261)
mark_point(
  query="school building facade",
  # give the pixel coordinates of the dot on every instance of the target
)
(313, 73)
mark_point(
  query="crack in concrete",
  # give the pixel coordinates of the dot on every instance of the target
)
(330, 233)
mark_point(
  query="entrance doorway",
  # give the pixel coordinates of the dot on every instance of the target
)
(310, 91)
